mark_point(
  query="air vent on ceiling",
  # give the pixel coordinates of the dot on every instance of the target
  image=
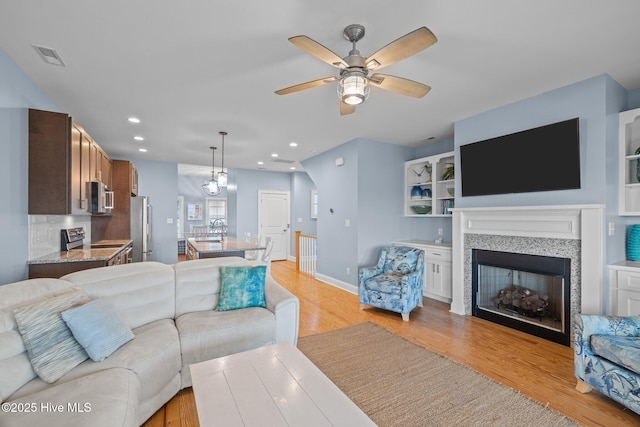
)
(48, 55)
(283, 161)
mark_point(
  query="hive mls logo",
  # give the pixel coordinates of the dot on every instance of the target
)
(77, 407)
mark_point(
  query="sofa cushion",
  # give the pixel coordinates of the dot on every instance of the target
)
(98, 329)
(154, 355)
(107, 398)
(623, 351)
(241, 287)
(206, 335)
(198, 283)
(52, 349)
(13, 354)
(141, 292)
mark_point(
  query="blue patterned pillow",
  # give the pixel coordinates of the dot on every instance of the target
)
(241, 287)
(98, 329)
(52, 349)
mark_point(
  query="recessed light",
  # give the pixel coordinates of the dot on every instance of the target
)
(138, 138)
(292, 168)
(261, 163)
(134, 120)
(142, 150)
(293, 144)
(274, 155)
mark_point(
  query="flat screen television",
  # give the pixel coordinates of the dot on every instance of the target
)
(545, 158)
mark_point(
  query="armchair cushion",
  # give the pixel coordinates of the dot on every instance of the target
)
(400, 259)
(388, 283)
(623, 351)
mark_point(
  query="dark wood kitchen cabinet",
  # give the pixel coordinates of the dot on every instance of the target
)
(55, 159)
(62, 162)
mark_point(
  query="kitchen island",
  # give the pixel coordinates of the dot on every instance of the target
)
(214, 246)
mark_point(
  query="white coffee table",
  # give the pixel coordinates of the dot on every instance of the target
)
(270, 386)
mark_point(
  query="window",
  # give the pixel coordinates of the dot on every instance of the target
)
(216, 209)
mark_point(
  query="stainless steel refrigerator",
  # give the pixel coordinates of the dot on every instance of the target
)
(141, 228)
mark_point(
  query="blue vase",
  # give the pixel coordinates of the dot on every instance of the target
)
(416, 192)
(633, 243)
(426, 193)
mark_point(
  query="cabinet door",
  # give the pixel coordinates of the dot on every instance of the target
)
(438, 279)
(106, 169)
(76, 172)
(49, 163)
(85, 171)
(95, 162)
(628, 303)
(134, 180)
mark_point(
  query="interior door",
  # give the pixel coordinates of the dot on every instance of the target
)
(273, 207)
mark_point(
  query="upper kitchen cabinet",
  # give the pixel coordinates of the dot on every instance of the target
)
(62, 161)
(125, 177)
(55, 165)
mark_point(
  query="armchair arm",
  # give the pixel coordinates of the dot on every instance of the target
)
(585, 325)
(286, 308)
(369, 272)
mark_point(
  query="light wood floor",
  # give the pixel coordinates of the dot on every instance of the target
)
(537, 368)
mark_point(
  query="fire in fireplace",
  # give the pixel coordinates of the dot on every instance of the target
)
(530, 293)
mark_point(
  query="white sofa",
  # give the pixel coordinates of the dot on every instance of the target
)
(171, 311)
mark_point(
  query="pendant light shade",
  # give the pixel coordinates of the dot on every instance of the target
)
(222, 175)
(211, 187)
(353, 88)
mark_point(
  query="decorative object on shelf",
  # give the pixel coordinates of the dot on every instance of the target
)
(416, 192)
(421, 172)
(426, 193)
(451, 191)
(633, 243)
(222, 175)
(211, 187)
(449, 172)
(638, 165)
(421, 209)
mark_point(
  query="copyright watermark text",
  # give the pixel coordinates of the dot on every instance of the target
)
(45, 407)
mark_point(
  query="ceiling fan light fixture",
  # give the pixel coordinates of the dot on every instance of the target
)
(353, 88)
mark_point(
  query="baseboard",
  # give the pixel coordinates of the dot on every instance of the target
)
(291, 258)
(338, 283)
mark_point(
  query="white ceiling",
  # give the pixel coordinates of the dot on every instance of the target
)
(191, 68)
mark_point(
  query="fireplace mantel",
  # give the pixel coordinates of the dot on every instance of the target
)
(575, 222)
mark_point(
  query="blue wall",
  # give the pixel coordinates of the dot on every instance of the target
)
(301, 187)
(17, 94)
(159, 181)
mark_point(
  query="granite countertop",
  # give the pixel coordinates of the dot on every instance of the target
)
(227, 244)
(86, 253)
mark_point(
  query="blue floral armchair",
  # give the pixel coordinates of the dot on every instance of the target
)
(607, 357)
(395, 283)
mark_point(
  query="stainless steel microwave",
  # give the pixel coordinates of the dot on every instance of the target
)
(101, 199)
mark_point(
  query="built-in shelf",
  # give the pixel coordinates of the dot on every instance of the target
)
(629, 142)
(420, 173)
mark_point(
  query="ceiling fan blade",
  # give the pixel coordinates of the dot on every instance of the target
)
(319, 51)
(402, 48)
(307, 85)
(346, 108)
(399, 85)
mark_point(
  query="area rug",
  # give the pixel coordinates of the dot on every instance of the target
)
(398, 383)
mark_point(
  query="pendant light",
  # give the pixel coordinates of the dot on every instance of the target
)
(211, 187)
(222, 175)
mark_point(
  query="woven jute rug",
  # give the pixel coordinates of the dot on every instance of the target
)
(398, 383)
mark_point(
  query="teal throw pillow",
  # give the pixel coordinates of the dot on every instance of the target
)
(97, 327)
(51, 347)
(241, 287)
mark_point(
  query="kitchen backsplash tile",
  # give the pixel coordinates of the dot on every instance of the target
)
(44, 232)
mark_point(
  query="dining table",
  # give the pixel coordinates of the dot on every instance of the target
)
(217, 246)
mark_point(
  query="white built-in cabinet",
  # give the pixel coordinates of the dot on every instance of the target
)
(624, 282)
(429, 175)
(437, 275)
(629, 142)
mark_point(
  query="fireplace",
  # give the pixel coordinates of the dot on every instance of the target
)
(526, 292)
(573, 232)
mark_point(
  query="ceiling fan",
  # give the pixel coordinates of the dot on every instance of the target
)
(354, 81)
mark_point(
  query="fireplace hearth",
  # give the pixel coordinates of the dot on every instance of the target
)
(530, 293)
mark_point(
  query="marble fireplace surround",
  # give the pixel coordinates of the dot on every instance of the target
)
(567, 231)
